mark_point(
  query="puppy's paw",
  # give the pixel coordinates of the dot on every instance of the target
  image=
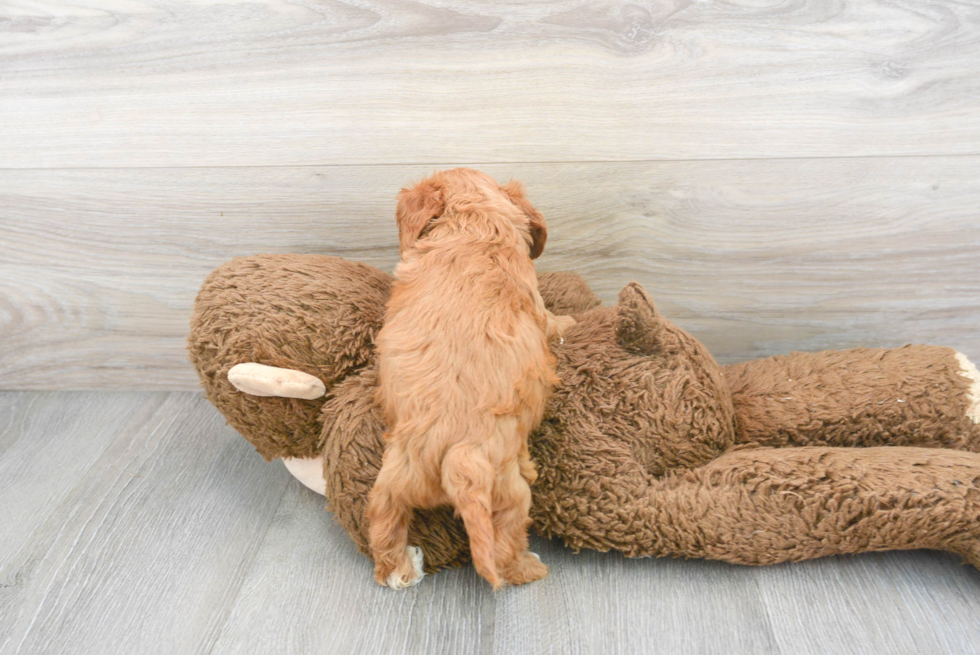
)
(557, 326)
(409, 573)
(526, 568)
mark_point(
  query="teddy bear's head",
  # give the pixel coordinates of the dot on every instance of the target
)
(309, 313)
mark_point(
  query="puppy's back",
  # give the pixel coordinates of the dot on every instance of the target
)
(464, 337)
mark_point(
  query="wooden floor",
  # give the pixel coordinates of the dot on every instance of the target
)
(140, 523)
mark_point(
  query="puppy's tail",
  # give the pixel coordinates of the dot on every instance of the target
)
(467, 479)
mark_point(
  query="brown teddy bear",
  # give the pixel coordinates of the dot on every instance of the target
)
(648, 446)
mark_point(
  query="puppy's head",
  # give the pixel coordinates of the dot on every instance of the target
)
(463, 189)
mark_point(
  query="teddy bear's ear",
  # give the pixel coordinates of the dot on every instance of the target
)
(417, 206)
(638, 326)
(539, 230)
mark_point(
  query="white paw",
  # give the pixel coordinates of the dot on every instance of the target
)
(415, 556)
(534, 555)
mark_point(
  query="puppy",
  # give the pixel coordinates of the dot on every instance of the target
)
(464, 372)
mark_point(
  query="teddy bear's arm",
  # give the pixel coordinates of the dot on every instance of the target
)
(910, 396)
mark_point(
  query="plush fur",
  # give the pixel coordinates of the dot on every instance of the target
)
(464, 372)
(647, 447)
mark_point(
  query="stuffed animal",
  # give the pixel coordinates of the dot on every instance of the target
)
(648, 447)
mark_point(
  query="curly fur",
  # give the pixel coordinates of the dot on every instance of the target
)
(464, 372)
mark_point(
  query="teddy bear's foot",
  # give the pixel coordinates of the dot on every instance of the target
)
(261, 380)
(407, 573)
(309, 471)
(969, 370)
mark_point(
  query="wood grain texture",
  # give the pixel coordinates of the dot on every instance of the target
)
(47, 447)
(99, 268)
(590, 602)
(148, 550)
(325, 598)
(874, 603)
(178, 538)
(605, 603)
(135, 83)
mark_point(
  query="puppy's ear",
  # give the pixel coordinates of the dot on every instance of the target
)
(539, 230)
(417, 207)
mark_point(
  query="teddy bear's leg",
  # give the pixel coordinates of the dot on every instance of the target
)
(910, 396)
(761, 506)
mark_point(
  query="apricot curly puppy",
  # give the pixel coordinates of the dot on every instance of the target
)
(465, 372)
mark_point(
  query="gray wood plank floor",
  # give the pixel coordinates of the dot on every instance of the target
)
(140, 523)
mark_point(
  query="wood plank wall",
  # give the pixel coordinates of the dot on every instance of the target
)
(779, 174)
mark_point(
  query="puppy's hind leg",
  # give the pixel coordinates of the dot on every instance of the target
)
(467, 480)
(512, 504)
(396, 564)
